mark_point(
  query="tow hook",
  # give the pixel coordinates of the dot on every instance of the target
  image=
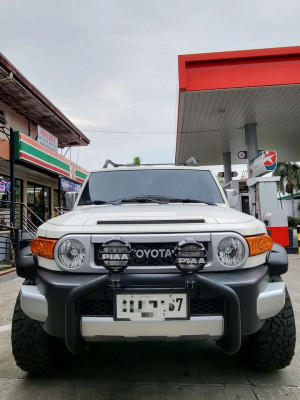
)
(190, 281)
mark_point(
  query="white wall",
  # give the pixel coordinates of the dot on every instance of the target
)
(18, 122)
(287, 207)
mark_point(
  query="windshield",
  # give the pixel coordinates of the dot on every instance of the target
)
(161, 184)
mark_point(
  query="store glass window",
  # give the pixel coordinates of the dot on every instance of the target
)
(5, 196)
(38, 200)
(46, 203)
(5, 189)
(55, 200)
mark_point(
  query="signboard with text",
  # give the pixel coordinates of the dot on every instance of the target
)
(68, 186)
(265, 162)
(28, 150)
(46, 139)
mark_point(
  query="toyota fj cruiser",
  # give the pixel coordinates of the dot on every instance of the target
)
(153, 252)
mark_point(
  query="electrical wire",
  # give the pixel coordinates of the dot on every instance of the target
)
(157, 132)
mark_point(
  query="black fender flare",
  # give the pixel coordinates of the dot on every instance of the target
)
(26, 264)
(277, 260)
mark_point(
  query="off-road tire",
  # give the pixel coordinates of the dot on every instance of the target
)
(33, 349)
(273, 346)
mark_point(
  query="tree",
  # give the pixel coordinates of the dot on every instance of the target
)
(289, 180)
(136, 160)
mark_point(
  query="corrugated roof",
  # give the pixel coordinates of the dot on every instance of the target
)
(221, 92)
(17, 92)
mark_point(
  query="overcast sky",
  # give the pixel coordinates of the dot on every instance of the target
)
(112, 65)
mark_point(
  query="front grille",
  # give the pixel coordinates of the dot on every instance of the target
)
(145, 254)
(104, 307)
(207, 306)
(99, 307)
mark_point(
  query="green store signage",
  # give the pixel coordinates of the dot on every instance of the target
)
(27, 149)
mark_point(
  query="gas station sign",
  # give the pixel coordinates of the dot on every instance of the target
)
(242, 155)
(265, 162)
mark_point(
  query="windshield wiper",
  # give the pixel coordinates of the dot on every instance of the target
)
(99, 202)
(179, 200)
(148, 199)
(142, 199)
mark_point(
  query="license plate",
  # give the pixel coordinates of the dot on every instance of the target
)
(154, 307)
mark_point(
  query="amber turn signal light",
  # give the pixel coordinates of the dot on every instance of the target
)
(43, 247)
(259, 244)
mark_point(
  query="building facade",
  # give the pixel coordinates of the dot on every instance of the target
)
(41, 134)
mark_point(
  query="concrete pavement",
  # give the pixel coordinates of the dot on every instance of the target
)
(147, 370)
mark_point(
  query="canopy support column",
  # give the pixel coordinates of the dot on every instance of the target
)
(252, 151)
(251, 140)
(227, 167)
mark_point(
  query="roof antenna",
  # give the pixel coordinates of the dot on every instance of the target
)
(107, 162)
(191, 161)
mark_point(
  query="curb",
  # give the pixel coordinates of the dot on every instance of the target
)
(291, 250)
(7, 271)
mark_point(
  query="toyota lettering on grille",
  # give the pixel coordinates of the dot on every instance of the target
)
(153, 253)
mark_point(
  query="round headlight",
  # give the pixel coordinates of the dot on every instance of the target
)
(71, 253)
(190, 255)
(231, 252)
(115, 255)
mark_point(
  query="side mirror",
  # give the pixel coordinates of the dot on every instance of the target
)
(70, 199)
(232, 197)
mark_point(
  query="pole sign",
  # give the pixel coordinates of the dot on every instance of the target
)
(265, 162)
(46, 139)
(242, 155)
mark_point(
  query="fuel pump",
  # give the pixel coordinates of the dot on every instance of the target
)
(243, 201)
(263, 190)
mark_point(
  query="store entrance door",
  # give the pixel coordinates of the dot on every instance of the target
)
(38, 200)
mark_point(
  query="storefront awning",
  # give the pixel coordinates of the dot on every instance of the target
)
(29, 151)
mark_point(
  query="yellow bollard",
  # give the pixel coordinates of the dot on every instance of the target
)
(298, 237)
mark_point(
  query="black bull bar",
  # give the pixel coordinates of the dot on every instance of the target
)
(230, 342)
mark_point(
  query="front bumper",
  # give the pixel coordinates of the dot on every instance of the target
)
(100, 328)
(249, 299)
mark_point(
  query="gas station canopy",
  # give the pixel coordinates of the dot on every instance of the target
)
(220, 93)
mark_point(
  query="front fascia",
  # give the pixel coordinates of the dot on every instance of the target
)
(211, 238)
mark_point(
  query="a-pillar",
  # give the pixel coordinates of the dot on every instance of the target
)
(227, 167)
(252, 151)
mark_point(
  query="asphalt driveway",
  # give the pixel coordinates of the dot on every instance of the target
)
(147, 370)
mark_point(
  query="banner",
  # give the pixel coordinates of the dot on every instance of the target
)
(46, 139)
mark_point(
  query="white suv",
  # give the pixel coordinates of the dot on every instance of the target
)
(153, 252)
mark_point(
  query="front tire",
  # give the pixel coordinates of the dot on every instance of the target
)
(33, 349)
(273, 346)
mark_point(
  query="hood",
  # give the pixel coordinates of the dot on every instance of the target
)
(150, 214)
(150, 218)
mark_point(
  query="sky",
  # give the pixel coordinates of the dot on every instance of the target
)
(111, 66)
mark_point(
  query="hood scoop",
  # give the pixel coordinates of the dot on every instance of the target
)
(151, 222)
